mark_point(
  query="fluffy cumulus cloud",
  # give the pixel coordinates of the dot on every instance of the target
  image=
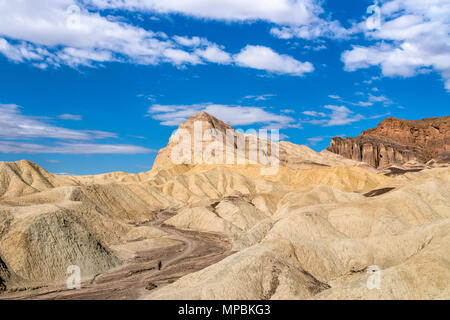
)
(173, 115)
(214, 53)
(15, 127)
(55, 32)
(294, 18)
(413, 35)
(290, 12)
(205, 49)
(64, 32)
(263, 58)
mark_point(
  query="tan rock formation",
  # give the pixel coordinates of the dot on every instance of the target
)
(212, 132)
(321, 242)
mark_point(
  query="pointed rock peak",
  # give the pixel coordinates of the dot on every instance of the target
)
(202, 115)
(210, 121)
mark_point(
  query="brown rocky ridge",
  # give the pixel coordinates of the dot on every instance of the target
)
(397, 142)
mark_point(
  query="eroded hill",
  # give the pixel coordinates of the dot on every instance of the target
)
(313, 230)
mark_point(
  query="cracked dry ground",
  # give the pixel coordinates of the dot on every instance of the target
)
(128, 282)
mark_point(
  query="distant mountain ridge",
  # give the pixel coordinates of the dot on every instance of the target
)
(397, 141)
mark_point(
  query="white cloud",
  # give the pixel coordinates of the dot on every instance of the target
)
(179, 57)
(192, 42)
(319, 47)
(74, 57)
(377, 116)
(70, 148)
(314, 114)
(371, 100)
(360, 103)
(263, 58)
(46, 34)
(173, 115)
(20, 53)
(73, 117)
(340, 115)
(15, 125)
(52, 161)
(363, 103)
(320, 28)
(279, 11)
(55, 36)
(333, 96)
(314, 140)
(414, 35)
(294, 18)
(297, 18)
(383, 99)
(213, 53)
(149, 97)
(261, 97)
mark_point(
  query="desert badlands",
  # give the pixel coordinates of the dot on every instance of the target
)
(368, 218)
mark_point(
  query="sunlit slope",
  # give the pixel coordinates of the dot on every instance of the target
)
(297, 234)
(320, 242)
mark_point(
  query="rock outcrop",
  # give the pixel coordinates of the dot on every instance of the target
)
(396, 141)
(204, 135)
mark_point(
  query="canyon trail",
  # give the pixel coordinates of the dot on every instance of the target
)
(129, 282)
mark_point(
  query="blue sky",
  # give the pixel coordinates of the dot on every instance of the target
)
(96, 86)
